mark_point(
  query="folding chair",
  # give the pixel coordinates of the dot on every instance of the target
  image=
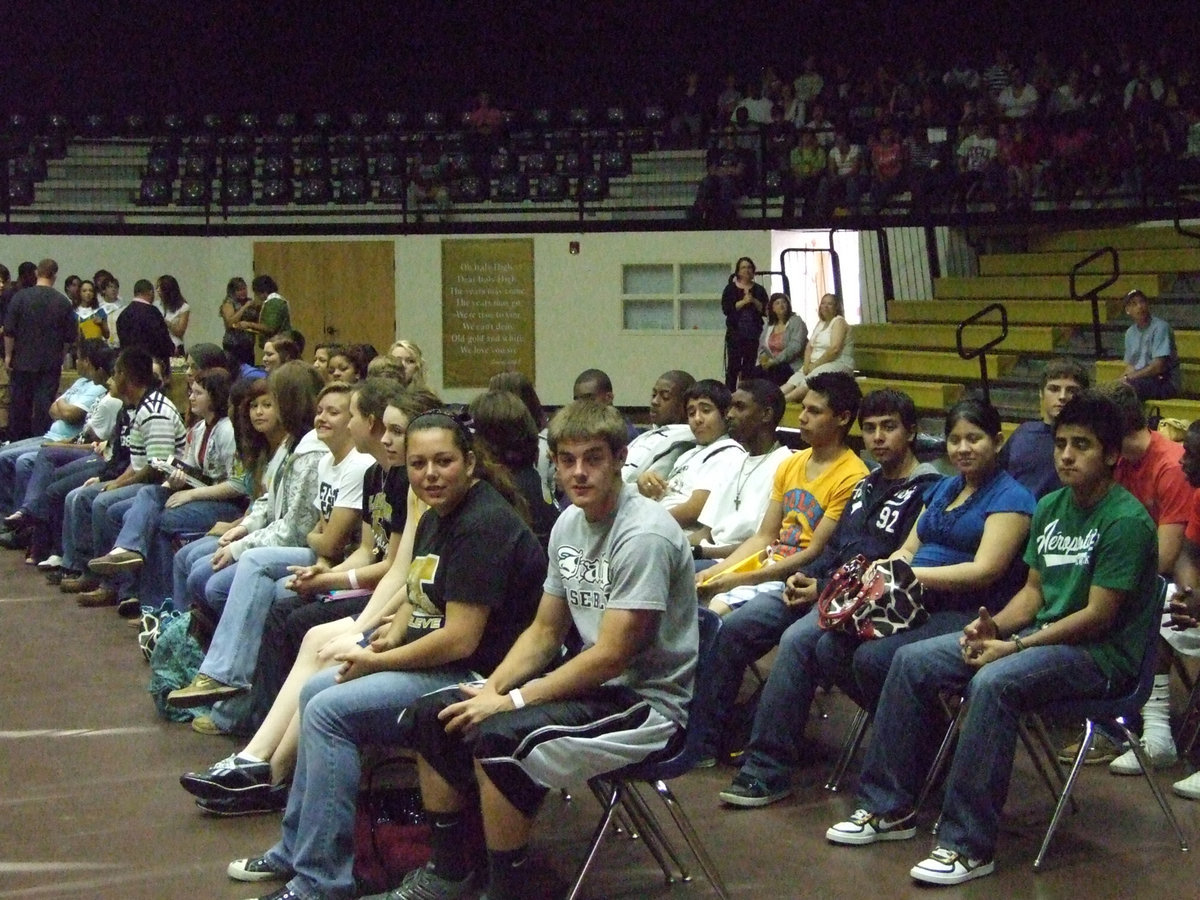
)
(618, 790)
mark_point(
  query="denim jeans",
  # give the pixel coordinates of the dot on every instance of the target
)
(909, 726)
(257, 580)
(746, 634)
(49, 509)
(8, 470)
(317, 842)
(147, 527)
(104, 531)
(190, 571)
(35, 470)
(77, 526)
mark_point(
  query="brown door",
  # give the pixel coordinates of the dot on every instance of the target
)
(339, 291)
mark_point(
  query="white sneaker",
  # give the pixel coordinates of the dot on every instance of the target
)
(865, 827)
(1160, 757)
(948, 867)
(51, 562)
(1188, 787)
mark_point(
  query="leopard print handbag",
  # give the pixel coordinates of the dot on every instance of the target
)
(886, 604)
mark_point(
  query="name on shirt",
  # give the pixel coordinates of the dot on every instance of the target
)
(1066, 550)
(586, 572)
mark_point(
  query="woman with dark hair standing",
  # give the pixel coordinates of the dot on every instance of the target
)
(782, 342)
(237, 310)
(270, 307)
(175, 310)
(743, 302)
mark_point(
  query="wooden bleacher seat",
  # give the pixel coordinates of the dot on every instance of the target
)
(1061, 312)
(1180, 408)
(929, 336)
(1057, 287)
(1084, 241)
(923, 363)
(1111, 369)
(1132, 262)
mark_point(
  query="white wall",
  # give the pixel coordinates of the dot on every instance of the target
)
(578, 310)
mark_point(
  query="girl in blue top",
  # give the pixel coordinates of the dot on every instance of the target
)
(965, 549)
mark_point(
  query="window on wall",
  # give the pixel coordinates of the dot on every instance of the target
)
(673, 296)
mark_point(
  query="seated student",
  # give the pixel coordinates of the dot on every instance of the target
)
(594, 384)
(67, 415)
(285, 452)
(309, 636)
(506, 430)
(1151, 362)
(1075, 630)
(668, 436)
(685, 489)
(808, 495)
(965, 547)
(472, 587)
(1149, 468)
(733, 509)
(264, 573)
(622, 577)
(1028, 454)
(1182, 634)
(71, 414)
(138, 566)
(880, 514)
(156, 432)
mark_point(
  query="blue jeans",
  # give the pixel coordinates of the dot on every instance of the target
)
(257, 580)
(147, 527)
(49, 508)
(36, 470)
(190, 571)
(909, 726)
(8, 470)
(317, 842)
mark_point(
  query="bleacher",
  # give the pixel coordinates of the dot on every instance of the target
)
(918, 342)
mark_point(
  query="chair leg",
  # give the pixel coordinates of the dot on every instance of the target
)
(1049, 752)
(1089, 734)
(622, 821)
(656, 841)
(939, 761)
(1148, 772)
(850, 745)
(608, 801)
(692, 839)
(1037, 756)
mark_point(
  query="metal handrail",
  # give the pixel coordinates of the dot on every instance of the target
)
(982, 350)
(1094, 293)
(837, 267)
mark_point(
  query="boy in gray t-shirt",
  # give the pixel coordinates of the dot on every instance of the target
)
(621, 577)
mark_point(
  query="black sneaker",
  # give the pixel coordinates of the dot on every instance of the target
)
(230, 777)
(272, 800)
(255, 869)
(748, 791)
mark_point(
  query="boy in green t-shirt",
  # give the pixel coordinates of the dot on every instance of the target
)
(1077, 629)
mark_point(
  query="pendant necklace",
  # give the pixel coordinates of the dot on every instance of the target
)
(737, 497)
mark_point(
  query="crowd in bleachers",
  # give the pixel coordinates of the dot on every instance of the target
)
(423, 531)
(831, 137)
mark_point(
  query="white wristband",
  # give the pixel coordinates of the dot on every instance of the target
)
(515, 696)
(353, 576)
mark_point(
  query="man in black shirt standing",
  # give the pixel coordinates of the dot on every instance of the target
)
(141, 324)
(39, 327)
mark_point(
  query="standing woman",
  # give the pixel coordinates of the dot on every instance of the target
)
(175, 310)
(743, 302)
(93, 320)
(235, 310)
(830, 348)
(782, 342)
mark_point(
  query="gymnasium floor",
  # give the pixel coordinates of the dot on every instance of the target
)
(90, 805)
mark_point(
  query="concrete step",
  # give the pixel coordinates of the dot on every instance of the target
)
(1153, 262)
